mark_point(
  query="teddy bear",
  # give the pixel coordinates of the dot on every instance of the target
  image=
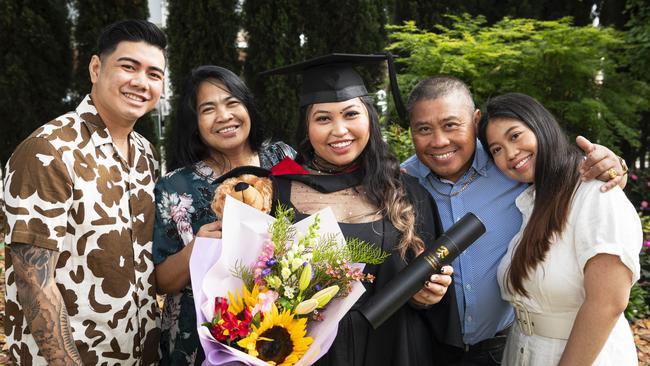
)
(246, 184)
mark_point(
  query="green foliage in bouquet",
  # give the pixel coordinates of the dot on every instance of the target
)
(307, 273)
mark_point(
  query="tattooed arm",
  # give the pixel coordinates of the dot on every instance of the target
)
(42, 303)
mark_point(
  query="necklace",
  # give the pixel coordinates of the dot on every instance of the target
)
(464, 187)
(219, 168)
(321, 166)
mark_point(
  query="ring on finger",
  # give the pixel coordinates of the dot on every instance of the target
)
(612, 173)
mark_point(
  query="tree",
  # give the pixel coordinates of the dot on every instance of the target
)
(638, 37)
(553, 61)
(36, 63)
(201, 32)
(91, 18)
(347, 26)
(612, 13)
(425, 14)
(428, 14)
(273, 30)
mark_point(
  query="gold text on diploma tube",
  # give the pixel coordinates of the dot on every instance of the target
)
(442, 252)
(434, 259)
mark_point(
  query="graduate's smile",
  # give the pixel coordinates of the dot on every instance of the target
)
(341, 147)
(339, 131)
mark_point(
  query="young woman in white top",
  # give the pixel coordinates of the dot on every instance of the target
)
(569, 270)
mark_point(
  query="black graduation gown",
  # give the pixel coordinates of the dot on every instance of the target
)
(408, 338)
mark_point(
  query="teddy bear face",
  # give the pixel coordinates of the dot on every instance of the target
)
(248, 188)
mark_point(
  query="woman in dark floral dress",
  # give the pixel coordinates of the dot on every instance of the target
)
(218, 128)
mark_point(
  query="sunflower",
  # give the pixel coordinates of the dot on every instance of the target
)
(238, 303)
(279, 340)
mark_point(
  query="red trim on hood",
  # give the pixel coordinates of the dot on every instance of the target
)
(288, 166)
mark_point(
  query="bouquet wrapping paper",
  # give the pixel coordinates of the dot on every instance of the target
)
(211, 264)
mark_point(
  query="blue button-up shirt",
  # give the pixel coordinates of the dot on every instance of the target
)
(490, 196)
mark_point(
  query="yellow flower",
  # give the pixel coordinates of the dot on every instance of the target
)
(279, 340)
(237, 303)
(325, 295)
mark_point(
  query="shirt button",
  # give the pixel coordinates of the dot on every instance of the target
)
(469, 318)
(468, 286)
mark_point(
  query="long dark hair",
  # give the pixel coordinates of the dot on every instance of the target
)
(187, 147)
(556, 178)
(381, 177)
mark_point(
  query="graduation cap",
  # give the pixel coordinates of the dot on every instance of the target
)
(332, 78)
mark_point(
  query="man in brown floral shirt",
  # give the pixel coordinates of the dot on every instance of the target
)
(79, 201)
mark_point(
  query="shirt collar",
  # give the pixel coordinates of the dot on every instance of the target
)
(99, 133)
(481, 159)
(525, 202)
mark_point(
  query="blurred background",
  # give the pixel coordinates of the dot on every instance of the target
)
(588, 61)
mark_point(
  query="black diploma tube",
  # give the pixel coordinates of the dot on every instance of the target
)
(411, 279)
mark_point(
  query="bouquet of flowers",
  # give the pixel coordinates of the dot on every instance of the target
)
(285, 290)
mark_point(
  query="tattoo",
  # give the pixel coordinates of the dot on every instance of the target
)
(38, 260)
(43, 304)
(68, 340)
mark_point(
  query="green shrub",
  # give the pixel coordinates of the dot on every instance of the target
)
(399, 140)
(637, 307)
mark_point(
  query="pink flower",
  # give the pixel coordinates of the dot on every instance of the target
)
(646, 243)
(184, 227)
(355, 273)
(648, 184)
(633, 177)
(267, 299)
(268, 249)
(178, 213)
(185, 231)
(644, 205)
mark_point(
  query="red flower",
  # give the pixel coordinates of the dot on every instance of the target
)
(220, 305)
(227, 326)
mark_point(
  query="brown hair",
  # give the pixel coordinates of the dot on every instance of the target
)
(381, 179)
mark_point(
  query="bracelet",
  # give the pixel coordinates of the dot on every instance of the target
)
(623, 164)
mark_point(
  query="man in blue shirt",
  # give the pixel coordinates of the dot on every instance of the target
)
(452, 165)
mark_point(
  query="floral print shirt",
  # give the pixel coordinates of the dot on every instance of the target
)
(183, 199)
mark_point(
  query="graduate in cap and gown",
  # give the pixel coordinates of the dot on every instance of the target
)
(343, 163)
